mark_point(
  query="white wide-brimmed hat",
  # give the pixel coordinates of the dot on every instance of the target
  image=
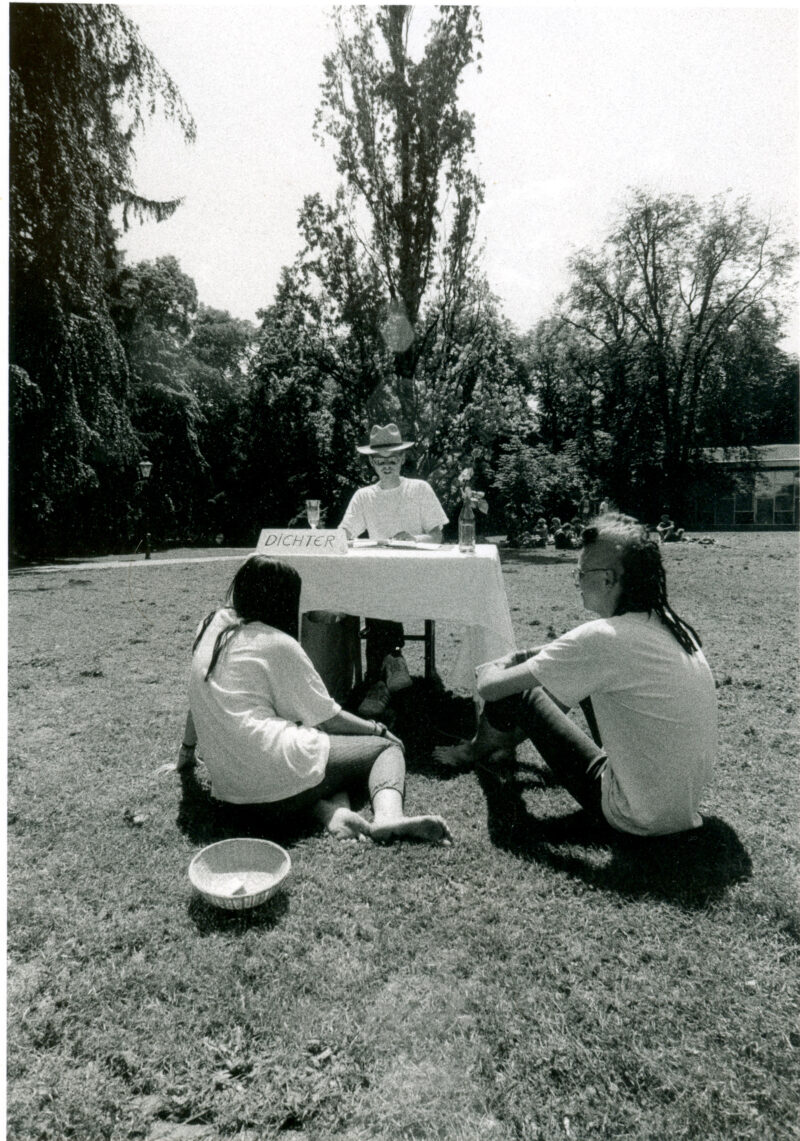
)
(384, 441)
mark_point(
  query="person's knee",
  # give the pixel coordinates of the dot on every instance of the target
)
(537, 705)
(389, 768)
(503, 714)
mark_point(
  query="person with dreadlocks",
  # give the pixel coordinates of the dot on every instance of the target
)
(641, 678)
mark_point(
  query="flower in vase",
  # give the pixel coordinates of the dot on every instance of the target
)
(476, 499)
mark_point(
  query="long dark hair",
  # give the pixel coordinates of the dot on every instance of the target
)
(643, 578)
(263, 590)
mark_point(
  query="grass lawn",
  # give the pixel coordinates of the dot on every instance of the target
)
(530, 982)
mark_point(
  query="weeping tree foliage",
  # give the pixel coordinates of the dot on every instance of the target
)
(82, 84)
(410, 200)
(667, 343)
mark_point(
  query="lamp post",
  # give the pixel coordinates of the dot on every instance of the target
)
(145, 467)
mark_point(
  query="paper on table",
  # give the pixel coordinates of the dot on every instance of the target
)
(408, 544)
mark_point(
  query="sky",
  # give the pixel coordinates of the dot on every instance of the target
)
(573, 107)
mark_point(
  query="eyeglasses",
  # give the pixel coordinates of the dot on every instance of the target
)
(580, 575)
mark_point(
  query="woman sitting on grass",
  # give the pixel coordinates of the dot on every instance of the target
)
(268, 730)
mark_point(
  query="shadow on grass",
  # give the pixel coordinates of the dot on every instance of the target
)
(511, 555)
(689, 869)
(210, 920)
(204, 820)
(426, 715)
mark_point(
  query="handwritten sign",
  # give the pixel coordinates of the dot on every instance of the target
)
(301, 542)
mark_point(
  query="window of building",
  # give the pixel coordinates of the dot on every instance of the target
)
(767, 499)
(743, 508)
(784, 509)
(723, 514)
(765, 510)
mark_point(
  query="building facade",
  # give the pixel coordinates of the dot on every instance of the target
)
(756, 489)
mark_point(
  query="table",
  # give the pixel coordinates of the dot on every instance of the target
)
(441, 584)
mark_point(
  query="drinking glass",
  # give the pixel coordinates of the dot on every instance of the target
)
(312, 513)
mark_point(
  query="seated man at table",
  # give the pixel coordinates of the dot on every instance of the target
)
(639, 674)
(393, 508)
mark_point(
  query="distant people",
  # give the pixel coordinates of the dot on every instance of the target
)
(564, 538)
(393, 508)
(603, 508)
(640, 675)
(269, 732)
(584, 508)
(540, 533)
(667, 530)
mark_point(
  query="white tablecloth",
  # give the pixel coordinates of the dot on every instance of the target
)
(408, 586)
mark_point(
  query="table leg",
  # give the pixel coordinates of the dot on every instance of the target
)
(356, 631)
(430, 649)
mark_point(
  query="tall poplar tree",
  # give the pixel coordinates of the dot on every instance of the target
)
(403, 146)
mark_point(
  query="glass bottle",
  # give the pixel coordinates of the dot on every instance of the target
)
(466, 529)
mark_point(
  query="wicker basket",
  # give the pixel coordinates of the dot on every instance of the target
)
(239, 874)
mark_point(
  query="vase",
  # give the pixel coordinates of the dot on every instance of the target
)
(466, 529)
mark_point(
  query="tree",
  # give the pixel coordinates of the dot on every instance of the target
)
(385, 314)
(753, 388)
(221, 348)
(662, 307)
(342, 297)
(402, 145)
(533, 482)
(155, 306)
(301, 422)
(385, 308)
(473, 392)
(472, 389)
(189, 381)
(577, 396)
(81, 85)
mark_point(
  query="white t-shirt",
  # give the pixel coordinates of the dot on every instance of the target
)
(656, 709)
(411, 507)
(254, 716)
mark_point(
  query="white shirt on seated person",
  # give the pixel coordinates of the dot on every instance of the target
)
(395, 507)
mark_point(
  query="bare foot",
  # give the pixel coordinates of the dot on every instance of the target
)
(431, 829)
(348, 825)
(340, 820)
(461, 756)
(488, 745)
